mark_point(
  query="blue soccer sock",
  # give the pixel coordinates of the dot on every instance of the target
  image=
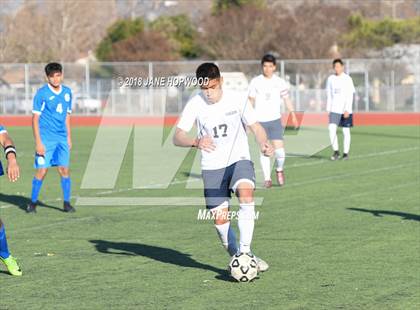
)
(36, 188)
(66, 187)
(4, 251)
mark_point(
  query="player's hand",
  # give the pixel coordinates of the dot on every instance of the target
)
(346, 114)
(40, 149)
(267, 149)
(12, 170)
(295, 121)
(69, 143)
(206, 144)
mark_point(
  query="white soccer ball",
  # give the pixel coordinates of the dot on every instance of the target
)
(243, 267)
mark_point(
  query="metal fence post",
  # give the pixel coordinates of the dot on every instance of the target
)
(87, 78)
(366, 90)
(26, 86)
(150, 90)
(282, 69)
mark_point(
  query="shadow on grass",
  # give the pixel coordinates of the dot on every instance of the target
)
(21, 202)
(380, 213)
(164, 255)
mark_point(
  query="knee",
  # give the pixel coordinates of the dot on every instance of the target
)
(221, 214)
(245, 193)
(41, 173)
(64, 171)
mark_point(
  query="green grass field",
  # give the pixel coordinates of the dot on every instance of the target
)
(339, 235)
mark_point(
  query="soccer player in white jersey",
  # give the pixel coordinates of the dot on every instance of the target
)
(340, 92)
(267, 92)
(221, 119)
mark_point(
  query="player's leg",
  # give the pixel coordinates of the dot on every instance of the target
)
(8, 260)
(224, 228)
(265, 161)
(280, 155)
(334, 120)
(41, 164)
(346, 123)
(244, 189)
(217, 195)
(62, 159)
(40, 174)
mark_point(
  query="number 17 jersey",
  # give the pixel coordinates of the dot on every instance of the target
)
(225, 122)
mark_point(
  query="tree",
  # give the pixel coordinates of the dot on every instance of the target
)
(219, 6)
(144, 46)
(120, 30)
(366, 33)
(180, 32)
(61, 30)
(238, 33)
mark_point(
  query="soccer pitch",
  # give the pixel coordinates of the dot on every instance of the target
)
(339, 235)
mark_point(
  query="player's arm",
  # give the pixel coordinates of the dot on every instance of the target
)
(262, 140)
(250, 119)
(182, 139)
(329, 96)
(291, 109)
(185, 124)
(349, 98)
(68, 127)
(36, 114)
(10, 154)
(252, 101)
(39, 147)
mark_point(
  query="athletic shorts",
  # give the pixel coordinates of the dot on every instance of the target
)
(220, 183)
(274, 129)
(57, 153)
(339, 120)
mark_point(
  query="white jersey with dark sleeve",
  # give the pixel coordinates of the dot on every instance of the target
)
(225, 121)
(268, 94)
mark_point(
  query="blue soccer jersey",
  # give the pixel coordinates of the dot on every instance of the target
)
(2, 129)
(52, 107)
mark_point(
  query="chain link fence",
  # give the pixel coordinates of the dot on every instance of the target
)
(381, 85)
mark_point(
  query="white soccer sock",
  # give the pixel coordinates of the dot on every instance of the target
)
(346, 140)
(227, 237)
(332, 128)
(246, 217)
(266, 167)
(280, 158)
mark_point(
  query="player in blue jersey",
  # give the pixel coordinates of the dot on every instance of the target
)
(13, 174)
(51, 128)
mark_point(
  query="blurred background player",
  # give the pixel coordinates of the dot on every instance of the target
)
(51, 128)
(226, 164)
(13, 174)
(267, 92)
(340, 92)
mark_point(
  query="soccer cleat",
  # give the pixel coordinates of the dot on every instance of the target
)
(268, 184)
(262, 265)
(345, 156)
(68, 208)
(31, 208)
(335, 156)
(280, 178)
(11, 265)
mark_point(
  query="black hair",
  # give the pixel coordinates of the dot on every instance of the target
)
(268, 58)
(207, 70)
(338, 60)
(52, 68)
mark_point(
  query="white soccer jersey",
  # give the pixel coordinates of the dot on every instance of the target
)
(268, 94)
(225, 122)
(340, 90)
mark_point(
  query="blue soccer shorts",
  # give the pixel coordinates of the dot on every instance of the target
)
(57, 153)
